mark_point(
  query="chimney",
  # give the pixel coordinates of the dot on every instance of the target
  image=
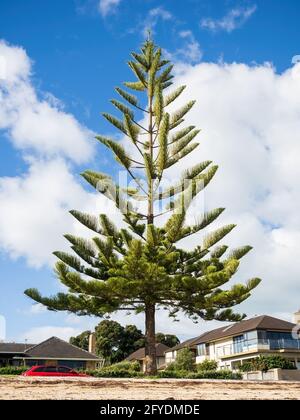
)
(296, 318)
(92, 343)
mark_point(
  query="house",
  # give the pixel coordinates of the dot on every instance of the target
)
(10, 350)
(234, 344)
(171, 354)
(53, 351)
(140, 356)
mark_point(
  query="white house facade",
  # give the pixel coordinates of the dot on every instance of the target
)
(232, 345)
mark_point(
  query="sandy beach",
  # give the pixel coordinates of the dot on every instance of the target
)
(21, 388)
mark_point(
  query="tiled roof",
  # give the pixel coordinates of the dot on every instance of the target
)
(55, 348)
(140, 353)
(181, 345)
(263, 322)
(14, 347)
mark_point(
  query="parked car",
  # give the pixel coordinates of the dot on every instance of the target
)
(52, 371)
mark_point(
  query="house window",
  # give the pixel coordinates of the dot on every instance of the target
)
(201, 350)
(238, 343)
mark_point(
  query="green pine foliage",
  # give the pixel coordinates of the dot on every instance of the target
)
(141, 267)
(185, 361)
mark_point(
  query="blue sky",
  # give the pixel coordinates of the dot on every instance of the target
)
(76, 52)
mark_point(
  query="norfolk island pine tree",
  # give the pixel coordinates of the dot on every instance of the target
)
(141, 267)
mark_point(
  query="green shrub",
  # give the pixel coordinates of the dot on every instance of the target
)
(246, 367)
(207, 366)
(118, 370)
(215, 374)
(131, 366)
(279, 362)
(265, 363)
(211, 374)
(170, 367)
(176, 374)
(13, 370)
(185, 361)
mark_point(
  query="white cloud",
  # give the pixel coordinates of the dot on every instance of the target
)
(39, 334)
(250, 123)
(34, 124)
(160, 12)
(153, 17)
(107, 7)
(34, 206)
(34, 210)
(234, 19)
(190, 52)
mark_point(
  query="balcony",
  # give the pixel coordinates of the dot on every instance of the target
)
(255, 345)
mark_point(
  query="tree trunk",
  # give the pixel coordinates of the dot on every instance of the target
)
(150, 349)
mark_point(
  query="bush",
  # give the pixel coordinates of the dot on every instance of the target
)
(118, 370)
(246, 367)
(13, 370)
(176, 374)
(265, 363)
(185, 361)
(207, 366)
(211, 374)
(216, 374)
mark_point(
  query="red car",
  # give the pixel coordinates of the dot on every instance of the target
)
(52, 371)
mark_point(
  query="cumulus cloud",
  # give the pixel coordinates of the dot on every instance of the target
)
(34, 206)
(34, 210)
(154, 16)
(190, 52)
(39, 125)
(250, 123)
(107, 7)
(39, 334)
(234, 19)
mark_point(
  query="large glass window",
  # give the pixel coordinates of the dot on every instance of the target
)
(251, 336)
(279, 340)
(201, 350)
(275, 335)
(238, 343)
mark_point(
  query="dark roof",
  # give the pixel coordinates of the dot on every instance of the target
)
(263, 322)
(55, 348)
(181, 345)
(140, 353)
(14, 347)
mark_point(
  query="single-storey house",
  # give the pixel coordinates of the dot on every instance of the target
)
(140, 356)
(234, 344)
(10, 350)
(51, 352)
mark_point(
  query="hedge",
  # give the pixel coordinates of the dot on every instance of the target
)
(210, 374)
(13, 370)
(118, 370)
(265, 363)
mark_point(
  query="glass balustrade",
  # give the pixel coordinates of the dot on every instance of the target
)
(256, 345)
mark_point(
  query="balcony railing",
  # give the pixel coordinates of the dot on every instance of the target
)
(256, 345)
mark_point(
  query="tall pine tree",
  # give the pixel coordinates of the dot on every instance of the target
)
(141, 267)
